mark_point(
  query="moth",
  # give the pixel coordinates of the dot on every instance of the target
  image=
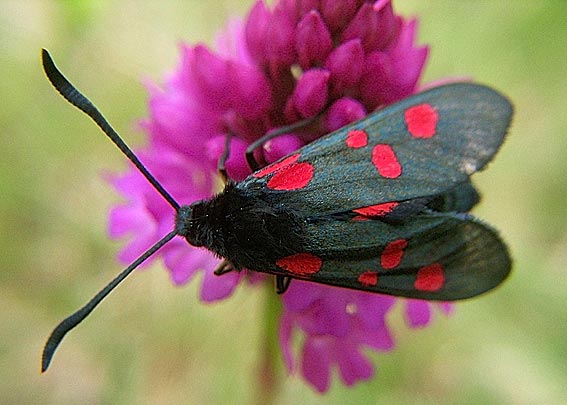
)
(380, 205)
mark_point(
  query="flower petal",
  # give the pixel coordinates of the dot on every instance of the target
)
(311, 93)
(343, 112)
(338, 13)
(346, 65)
(316, 364)
(313, 40)
(281, 146)
(285, 335)
(418, 313)
(353, 367)
(219, 287)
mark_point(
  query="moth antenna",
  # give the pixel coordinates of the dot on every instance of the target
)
(74, 96)
(76, 318)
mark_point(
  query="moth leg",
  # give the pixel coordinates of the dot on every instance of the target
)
(282, 283)
(252, 162)
(224, 267)
(221, 165)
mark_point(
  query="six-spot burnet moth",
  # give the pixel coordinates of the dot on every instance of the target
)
(380, 205)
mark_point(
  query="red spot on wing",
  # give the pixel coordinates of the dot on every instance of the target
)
(292, 177)
(277, 166)
(393, 252)
(430, 278)
(357, 138)
(378, 210)
(368, 278)
(421, 120)
(302, 264)
(385, 160)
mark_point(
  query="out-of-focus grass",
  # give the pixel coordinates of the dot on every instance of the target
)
(151, 342)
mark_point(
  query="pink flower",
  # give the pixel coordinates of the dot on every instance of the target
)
(338, 324)
(338, 58)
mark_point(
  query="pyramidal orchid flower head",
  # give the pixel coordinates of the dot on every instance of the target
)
(335, 60)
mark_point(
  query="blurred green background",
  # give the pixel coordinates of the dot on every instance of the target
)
(153, 343)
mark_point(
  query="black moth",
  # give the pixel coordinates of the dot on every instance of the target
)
(380, 205)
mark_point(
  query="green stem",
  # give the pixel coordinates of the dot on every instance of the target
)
(270, 357)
